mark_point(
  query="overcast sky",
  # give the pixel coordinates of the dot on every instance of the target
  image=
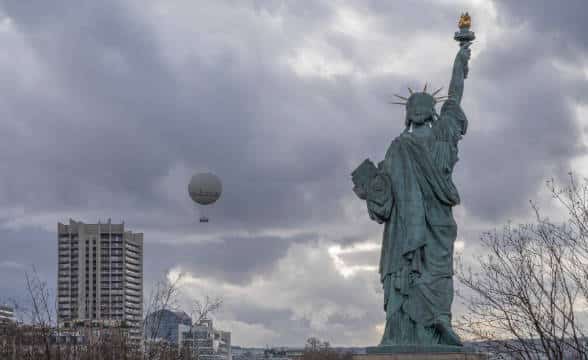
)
(107, 108)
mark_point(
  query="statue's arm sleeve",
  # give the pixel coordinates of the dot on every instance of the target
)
(453, 119)
(458, 75)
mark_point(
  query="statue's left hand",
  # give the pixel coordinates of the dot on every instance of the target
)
(379, 197)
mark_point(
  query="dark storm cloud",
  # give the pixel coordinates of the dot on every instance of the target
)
(128, 116)
(124, 119)
(26, 251)
(565, 21)
(231, 259)
(107, 77)
(250, 314)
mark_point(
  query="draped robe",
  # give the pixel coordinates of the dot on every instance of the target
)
(416, 263)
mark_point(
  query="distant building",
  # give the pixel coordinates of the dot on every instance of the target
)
(243, 353)
(162, 325)
(100, 277)
(283, 353)
(6, 314)
(223, 341)
(205, 342)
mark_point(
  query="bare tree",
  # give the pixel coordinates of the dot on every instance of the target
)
(41, 306)
(531, 287)
(40, 338)
(202, 309)
(164, 296)
(315, 349)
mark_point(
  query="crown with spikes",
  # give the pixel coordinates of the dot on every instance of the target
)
(436, 99)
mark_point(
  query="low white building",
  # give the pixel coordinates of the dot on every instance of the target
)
(205, 341)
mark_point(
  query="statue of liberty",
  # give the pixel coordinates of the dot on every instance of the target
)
(412, 193)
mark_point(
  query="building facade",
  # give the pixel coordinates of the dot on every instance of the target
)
(100, 276)
(162, 325)
(205, 342)
(6, 314)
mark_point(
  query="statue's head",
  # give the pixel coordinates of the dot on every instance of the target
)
(420, 108)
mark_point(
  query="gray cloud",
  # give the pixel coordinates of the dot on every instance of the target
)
(562, 21)
(528, 128)
(26, 251)
(233, 259)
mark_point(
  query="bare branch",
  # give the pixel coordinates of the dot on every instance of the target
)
(532, 277)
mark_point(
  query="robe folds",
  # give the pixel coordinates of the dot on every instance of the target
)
(414, 195)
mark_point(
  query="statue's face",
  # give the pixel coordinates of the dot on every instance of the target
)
(419, 108)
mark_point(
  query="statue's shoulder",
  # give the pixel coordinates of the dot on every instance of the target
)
(451, 107)
(453, 116)
(397, 143)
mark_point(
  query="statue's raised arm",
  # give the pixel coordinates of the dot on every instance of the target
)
(459, 74)
(460, 66)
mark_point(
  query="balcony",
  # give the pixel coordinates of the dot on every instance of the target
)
(132, 308)
(133, 253)
(134, 286)
(132, 245)
(132, 292)
(133, 277)
(132, 260)
(133, 267)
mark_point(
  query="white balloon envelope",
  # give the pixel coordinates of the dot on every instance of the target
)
(205, 188)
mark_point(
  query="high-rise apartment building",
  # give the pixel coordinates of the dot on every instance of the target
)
(100, 276)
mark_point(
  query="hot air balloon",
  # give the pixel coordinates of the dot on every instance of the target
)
(204, 189)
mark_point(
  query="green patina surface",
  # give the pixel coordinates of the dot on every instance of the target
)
(412, 193)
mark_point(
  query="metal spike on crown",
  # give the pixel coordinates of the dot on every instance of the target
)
(433, 94)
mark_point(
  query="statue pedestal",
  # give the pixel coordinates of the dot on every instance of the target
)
(423, 356)
(421, 353)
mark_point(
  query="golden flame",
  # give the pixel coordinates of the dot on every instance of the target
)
(465, 21)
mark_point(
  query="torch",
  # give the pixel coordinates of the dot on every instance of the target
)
(464, 36)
